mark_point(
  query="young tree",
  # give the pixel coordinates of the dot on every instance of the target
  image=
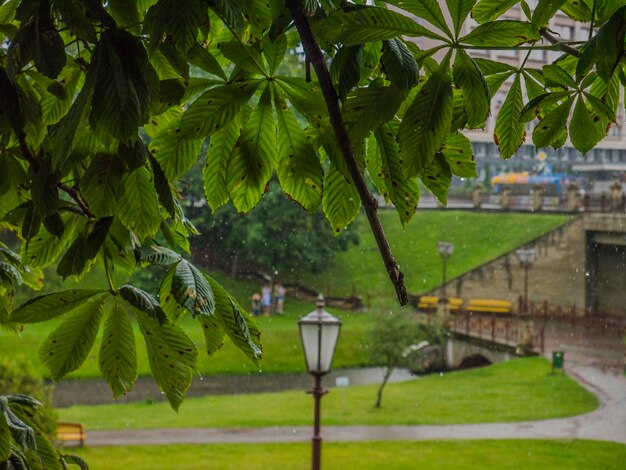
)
(390, 338)
(83, 81)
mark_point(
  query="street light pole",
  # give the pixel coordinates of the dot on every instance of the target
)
(526, 258)
(319, 332)
(445, 250)
(316, 442)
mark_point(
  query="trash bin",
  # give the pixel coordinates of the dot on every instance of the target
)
(557, 360)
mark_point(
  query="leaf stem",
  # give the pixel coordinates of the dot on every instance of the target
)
(561, 45)
(71, 191)
(314, 53)
(109, 275)
(593, 17)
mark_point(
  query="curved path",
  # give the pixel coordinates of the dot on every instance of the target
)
(607, 423)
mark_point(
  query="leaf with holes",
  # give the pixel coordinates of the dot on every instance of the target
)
(44, 248)
(583, 131)
(49, 306)
(274, 51)
(340, 200)
(459, 9)
(121, 97)
(175, 151)
(49, 48)
(230, 13)
(191, 290)
(368, 25)
(428, 10)
(399, 64)
(427, 121)
(368, 108)
(158, 255)
(213, 333)
(252, 161)
(100, 185)
(299, 170)
(544, 11)
(509, 131)
(214, 170)
(173, 310)
(403, 192)
(118, 355)
(237, 324)
(437, 177)
(459, 154)
(246, 57)
(345, 69)
(552, 129)
(138, 206)
(143, 301)
(217, 107)
(67, 347)
(504, 33)
(178, 19)
(203, 59)
(172, 357)
(476, 97)
(489, 10)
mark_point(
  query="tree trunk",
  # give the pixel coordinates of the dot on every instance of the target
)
(379, 397)
(234, 269)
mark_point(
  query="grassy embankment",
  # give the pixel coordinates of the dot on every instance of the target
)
(478, 238)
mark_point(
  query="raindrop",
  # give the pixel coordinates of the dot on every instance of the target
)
(587, 273)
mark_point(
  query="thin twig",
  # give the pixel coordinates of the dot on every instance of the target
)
(71, 191)
(314, 54)
(562, 46)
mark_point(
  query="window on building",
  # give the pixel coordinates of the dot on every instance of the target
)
(538, 56)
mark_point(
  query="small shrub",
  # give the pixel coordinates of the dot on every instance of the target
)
(17, 376)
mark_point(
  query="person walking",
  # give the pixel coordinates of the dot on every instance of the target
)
(256, 304)
(279, 295)
(266, 299)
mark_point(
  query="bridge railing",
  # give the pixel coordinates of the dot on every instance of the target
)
(591, 202)
(609, 323)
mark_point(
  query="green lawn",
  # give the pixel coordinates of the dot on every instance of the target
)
(280, 337)
(477, 237)
(522, 389)
(397, 455)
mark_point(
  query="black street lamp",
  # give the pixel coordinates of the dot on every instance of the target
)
(319, 332)
(445, 251)
(526, 259)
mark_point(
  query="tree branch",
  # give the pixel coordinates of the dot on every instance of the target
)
(562, 46)
(314, 54)
(70, 191)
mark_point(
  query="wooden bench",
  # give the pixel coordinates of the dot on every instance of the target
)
(429, 302)
(71, 432)
(489, 305)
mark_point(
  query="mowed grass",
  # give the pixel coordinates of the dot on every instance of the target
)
(477, 237)
(397, 455)
(519, 390)
(282, 350)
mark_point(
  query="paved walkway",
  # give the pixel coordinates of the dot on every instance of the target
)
(607, 423)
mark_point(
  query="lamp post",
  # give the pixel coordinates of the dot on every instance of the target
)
(445, 251)
(319, 332)
(526, 259)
